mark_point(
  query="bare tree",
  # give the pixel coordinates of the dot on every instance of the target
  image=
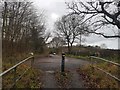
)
(22, 28)
(69, 27)
(47, 36)
(57, 42)
(102, 13)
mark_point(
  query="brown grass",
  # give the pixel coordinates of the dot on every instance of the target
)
(96, 79)
(63, 79)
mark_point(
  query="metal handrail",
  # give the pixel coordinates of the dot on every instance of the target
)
(15, 67)
(117, 64)
(107, 73)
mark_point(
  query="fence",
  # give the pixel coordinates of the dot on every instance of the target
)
(109, 74)
(14, 68)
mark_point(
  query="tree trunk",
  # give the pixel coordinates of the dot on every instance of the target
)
(80, 40)
(69, 48)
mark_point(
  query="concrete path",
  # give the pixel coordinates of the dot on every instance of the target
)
(51, 64)
(49, 80)
(77, 81)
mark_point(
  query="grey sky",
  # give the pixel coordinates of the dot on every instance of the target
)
(56, 8)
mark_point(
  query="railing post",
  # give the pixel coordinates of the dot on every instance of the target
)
(63, 63)
(32, 61)
(14, 79)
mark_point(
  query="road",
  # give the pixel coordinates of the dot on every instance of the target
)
(51, 64)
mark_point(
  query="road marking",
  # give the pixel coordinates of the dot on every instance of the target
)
(50, 72)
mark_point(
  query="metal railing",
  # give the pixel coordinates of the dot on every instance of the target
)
(14, 68)
(107, 73)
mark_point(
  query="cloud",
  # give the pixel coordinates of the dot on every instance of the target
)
(54, 16)
(110, 43)
(56, 8)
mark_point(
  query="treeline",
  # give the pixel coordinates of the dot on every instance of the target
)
(95, 51)
(22, 28)
(86, 19)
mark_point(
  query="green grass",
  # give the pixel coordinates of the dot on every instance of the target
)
(114, 59)
(79, 57)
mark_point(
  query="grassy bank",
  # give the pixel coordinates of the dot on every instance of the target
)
(96, 79)
(78, 57)
(31, 79)
(114, 59)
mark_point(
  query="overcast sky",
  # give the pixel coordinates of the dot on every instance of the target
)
(56, 8)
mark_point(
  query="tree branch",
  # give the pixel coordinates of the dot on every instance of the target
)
(106, 36)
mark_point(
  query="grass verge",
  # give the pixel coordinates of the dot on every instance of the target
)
(96, 79)
(31, 79)
(79, 57)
